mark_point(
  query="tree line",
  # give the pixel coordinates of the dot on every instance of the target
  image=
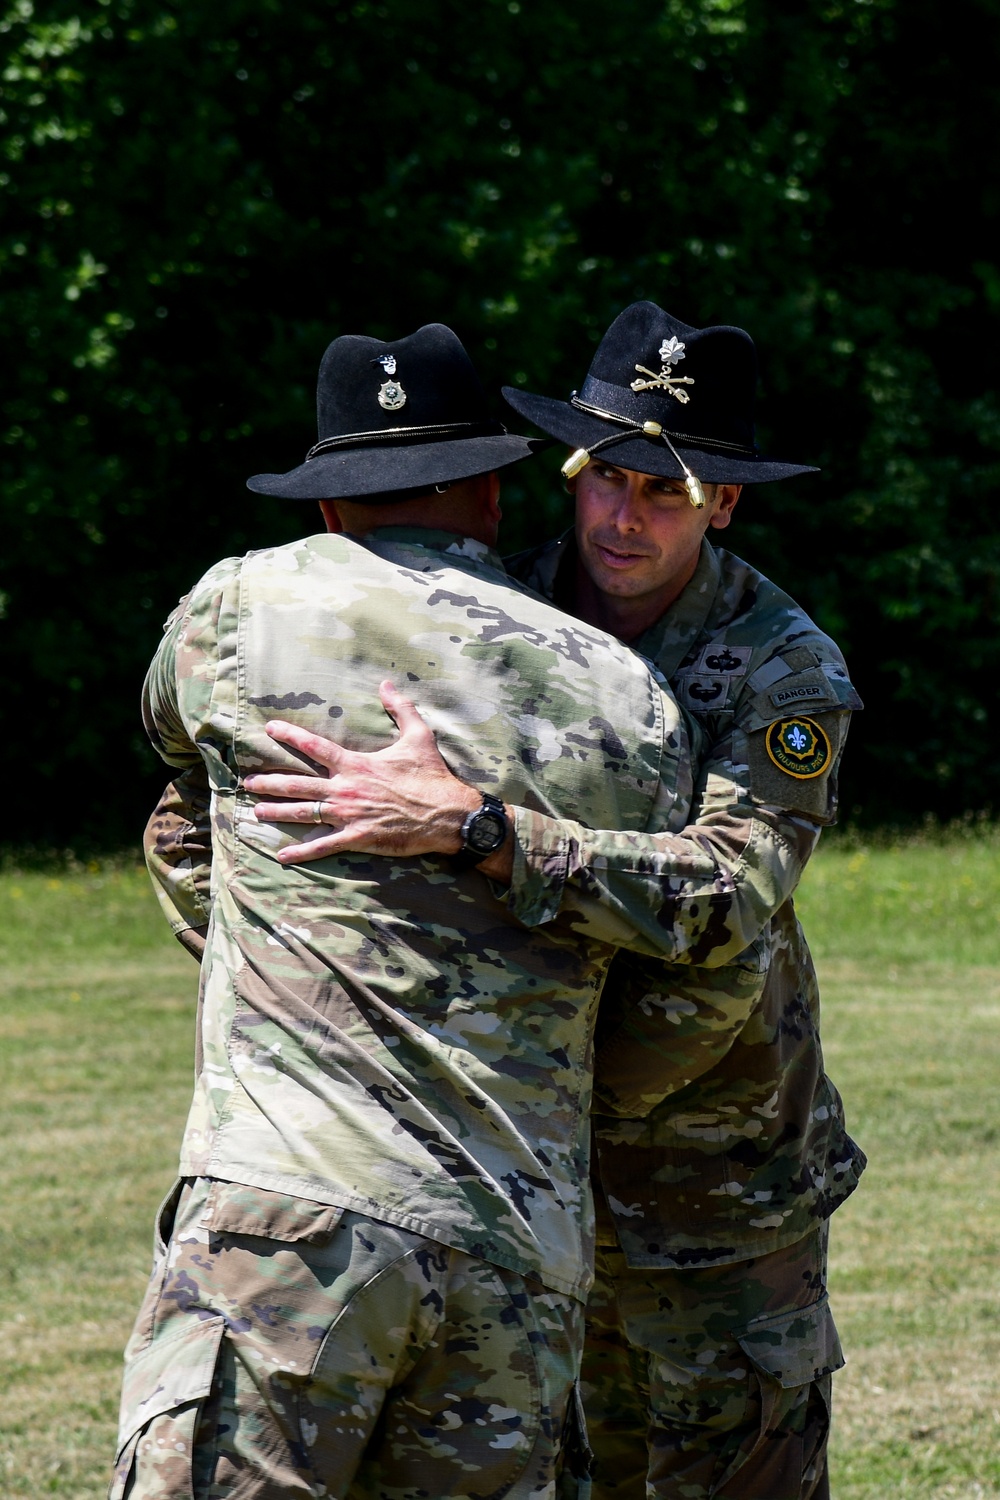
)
(198, 196)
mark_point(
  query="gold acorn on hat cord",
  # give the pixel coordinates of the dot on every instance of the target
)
(575, 463)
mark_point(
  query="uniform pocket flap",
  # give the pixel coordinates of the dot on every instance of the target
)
(796, 1347)
(172, 1372)
(233, 1208)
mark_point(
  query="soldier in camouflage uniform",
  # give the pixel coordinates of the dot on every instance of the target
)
(369, 1279)
(721, 1144)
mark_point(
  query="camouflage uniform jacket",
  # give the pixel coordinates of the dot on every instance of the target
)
(385, 1035)
(718, 1135)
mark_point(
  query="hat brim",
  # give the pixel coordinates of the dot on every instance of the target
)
(366, 473)
(646, 455)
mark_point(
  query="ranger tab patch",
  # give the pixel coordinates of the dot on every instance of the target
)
(800, 747)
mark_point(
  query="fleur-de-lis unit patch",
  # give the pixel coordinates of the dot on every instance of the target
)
(799, 747)
(671, 350)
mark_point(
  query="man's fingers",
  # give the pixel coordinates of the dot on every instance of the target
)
(303, 854)
(290, 812)
(318, 748)
(400, 709)
(274, 784)
(336, 842)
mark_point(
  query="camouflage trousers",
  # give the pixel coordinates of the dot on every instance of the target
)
(288, 1349)
(711, 1382)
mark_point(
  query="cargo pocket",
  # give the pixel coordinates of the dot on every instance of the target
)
(162, 1396)
(262, 1213)
(792, 1357)
(166, 1214)
(796, 1347)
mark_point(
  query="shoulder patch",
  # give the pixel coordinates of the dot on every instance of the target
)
(799, 746)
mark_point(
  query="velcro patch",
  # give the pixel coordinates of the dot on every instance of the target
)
(718, 659)
(800, 747)
(702, 692)
(789, 695)
(799, 658)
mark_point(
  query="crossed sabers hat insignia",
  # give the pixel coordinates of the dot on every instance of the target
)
(671, 350)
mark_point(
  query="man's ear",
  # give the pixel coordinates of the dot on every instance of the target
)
(491, 495)
(330, 515)
(726, 495)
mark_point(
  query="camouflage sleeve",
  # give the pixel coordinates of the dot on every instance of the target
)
(161, 712)
(701, 894)
(177, 842)
(178, 692)
(178, 849)
(664, 1024)
(767, 783)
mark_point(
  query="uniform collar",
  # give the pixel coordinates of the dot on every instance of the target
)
(669, 639)
(553, 570)
(422, 546)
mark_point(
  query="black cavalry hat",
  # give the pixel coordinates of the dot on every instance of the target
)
(394, 416)
(663, 398)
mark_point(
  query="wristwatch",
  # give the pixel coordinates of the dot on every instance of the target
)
(483, 833)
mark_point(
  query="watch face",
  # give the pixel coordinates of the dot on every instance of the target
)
(486, 832)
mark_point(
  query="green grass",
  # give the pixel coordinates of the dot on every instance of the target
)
(95, 1074)
(95, 1059)
(907, 941)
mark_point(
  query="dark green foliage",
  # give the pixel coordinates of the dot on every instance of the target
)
(199, 196)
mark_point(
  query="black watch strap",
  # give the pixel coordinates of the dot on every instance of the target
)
(483, 833)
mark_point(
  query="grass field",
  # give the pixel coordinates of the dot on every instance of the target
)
(95, 1044)
(907, 942)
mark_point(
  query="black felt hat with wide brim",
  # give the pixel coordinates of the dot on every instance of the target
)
(697, 385)
(397, 416)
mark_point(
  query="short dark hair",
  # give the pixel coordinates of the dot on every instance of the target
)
(393, 497)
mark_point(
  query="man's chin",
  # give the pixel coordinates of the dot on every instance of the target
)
(619, 584)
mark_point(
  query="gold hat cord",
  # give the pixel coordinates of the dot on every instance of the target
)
(581, 458)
